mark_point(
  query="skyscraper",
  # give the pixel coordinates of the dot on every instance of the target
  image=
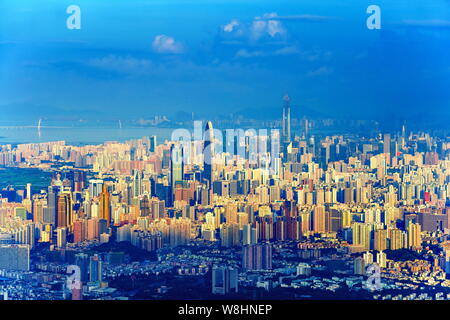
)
(208, 152)
(380, 239)
(64, 210)
(257, 256)
(152, 143)
(95, 269)
(414, 237)
(137, 184)
(29, 191)
(286, 132)
(224, 280)
(82, 261)
(176, 165)
(144, 206)
(105, 205)
(52, 198)
(95, 187)
(359, 266)
(15, 257)
(404, 131)
(61, 237)
(79, 180)
(387, 147)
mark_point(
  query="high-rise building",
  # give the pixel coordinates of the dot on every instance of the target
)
(414, 236)
(15, 257)
(229, 235)
(319, 216)
(368, 258)
(387, 147)
(176, 166)
(224, 280)
(82, 261)
(95, 187)
(144, 206)
(79, 180)
(152, 143)
(286, 129)
(361, 235)
(305, 129)
(78, 231)
(208, 153)
(381, 259)
(95, 269)
(64, 210)
(52, 199)
(179, 232)
(249, 235)
(257, 257)
(359, 267)
(404, 131)
(105, 205)
(387, 143)
(380, 239)
(396, 239)
(29, 191)
(136, 186)
(61, 237)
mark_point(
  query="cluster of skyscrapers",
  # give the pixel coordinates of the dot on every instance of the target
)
(362, 194)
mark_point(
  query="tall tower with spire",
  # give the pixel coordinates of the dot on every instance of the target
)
(208, 152)
(286, 129)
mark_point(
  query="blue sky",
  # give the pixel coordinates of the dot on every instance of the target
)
(135, 59)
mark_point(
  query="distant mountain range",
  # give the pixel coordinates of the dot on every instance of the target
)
(30, 112)
(276, 113)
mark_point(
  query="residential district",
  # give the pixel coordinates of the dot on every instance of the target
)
(326, 217)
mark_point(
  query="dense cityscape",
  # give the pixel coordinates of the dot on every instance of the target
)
(274, 214)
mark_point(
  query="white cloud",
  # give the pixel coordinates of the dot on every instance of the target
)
(244, 53)
(289, 50)
(121, 64)
(166, 44)
(300, 17)
(231, 25)
(436, 23)
(265, 25)
(322, 71)
(259, 28)
(267, 36)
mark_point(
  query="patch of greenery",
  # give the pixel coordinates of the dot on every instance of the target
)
(134, 253)
(402, 255)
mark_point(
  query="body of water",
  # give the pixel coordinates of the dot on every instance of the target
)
(79, 135)
(5, 279)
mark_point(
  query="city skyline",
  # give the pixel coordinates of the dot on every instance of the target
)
(254, 151)
(352, 199)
